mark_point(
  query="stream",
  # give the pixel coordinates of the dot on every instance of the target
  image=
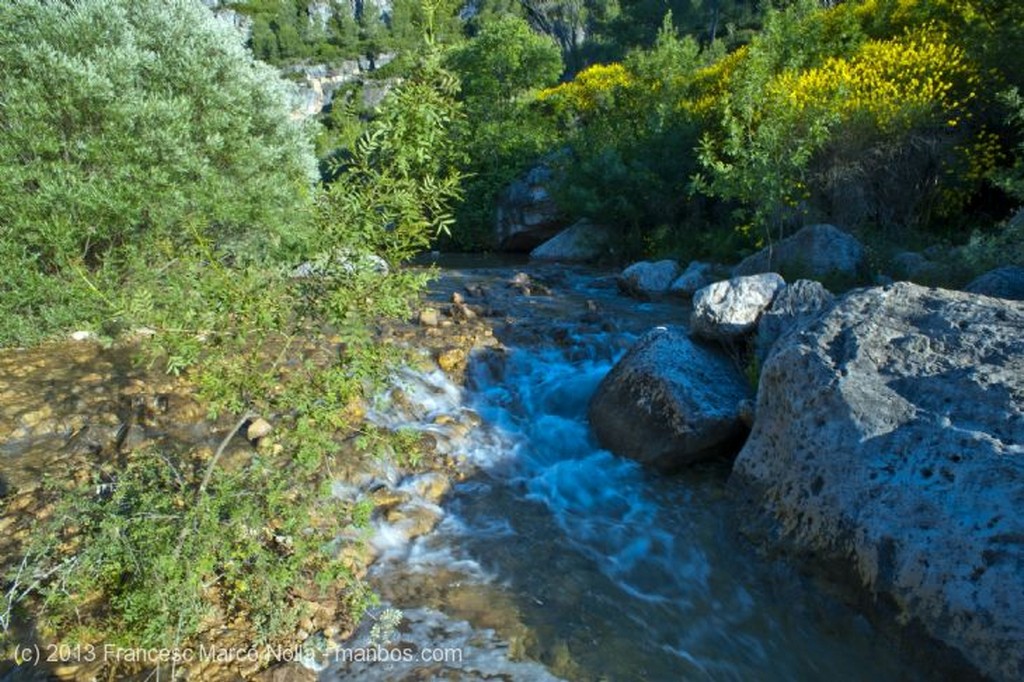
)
(555, 559)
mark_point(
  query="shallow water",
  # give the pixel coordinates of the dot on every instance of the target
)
(556, 557)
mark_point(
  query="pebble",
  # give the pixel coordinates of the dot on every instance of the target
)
(258, 428)
(429, 317)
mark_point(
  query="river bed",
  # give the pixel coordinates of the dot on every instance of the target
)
(555, 559)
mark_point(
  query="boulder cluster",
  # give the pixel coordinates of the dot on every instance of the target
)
(885, 446)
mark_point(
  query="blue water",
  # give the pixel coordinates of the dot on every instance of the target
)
(611, 572)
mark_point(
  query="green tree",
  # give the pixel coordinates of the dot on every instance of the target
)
(263, 40)
(500, 68)
(503, 61)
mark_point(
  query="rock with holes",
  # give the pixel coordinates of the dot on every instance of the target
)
(889, 444)
(670, 402)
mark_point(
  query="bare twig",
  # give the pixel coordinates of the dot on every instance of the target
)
(14, 596)
(220, 451)
(209, 473)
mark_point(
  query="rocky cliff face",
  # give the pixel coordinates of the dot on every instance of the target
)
(223, 11)
(889, 442)
(318, 83)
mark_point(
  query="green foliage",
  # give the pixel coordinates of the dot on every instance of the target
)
(869, 113)
(631, 143)
(435, 22)
(821, 122)
(169, 538)
(877, 112)
(162, 551)
(288, 31)
(752, 153)
(395, 192)
(499, 147)
(1012, 179)
(285, 31)
(637, 22)
(402, 447)
(505, 60)
(1003, 245)
(502, 134)
(127, 128)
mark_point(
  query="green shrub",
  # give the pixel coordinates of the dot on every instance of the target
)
(1012, 179)
(1002, 245)
(170, 538)
(127, 127)
(631, 143)
(395, 192)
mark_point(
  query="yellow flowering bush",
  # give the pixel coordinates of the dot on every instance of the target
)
(594, 89)
(893, 16)
(711, 82)
(896, 83)
(904, 102)
(881, 130)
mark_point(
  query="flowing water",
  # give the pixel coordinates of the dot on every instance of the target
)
(557, 559)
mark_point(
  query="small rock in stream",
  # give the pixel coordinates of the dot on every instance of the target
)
(428, 317)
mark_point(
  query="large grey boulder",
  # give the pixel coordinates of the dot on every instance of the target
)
(889, 443)
(795, 306)
(581, 243)
(527, 214)
(816, 251)
(646, 279)
(729, 310)
(1006, 282)
(696, 276)
(670, 402)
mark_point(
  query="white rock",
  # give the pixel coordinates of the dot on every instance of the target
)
(729, 310)
(646, 279)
